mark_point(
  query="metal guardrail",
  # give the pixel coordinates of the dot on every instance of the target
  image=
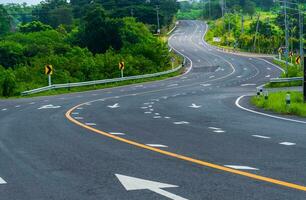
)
(97, 82)
(285, 80)
(282, 61)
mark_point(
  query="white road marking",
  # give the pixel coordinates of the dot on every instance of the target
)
(4, 109)
(245, 69)
(167, 117)
(147, 112)
(75, 113)
(212, 77)
(151, 109)
(143, 107)
(241, 167)
(18, 106)
(172, 85)
(132, 183)
(264, 114)
(181, 122)
(94, 94)
(80, 108)
(114, 133)
(268, 76)
(219, 131)
(157, 145)
(239, 76)
(261, 136)
(78, 118)
(50, 106)
(214, 128)
(287, 143)
(248, 84)
(156, 113)
(268, 68)
(206, 85)
(195, 106)
(116, 105)
(32, 103)
(2, 181)
(157, 117)
(90, 124)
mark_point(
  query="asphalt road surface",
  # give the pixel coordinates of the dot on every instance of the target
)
(181, 138)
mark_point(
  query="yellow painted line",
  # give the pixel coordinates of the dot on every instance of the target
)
(185, 158)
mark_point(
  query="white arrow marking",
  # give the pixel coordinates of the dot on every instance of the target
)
(182, 122)
(241, 167)
(116, 105)
(50, 106)
(287, 143)
(2, 181)
(132, 183)
(261, 136)
(195, 106)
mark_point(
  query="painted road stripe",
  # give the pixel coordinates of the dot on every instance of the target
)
(2, 181)
(287, 143)
(157, 145)
(80, 108)
(186, 158)
(75, 113)
(18, 106)
(143, 107)
(157, 117)
(167, 117)
(248, 84)
(214, 128)
(78, 118)
(179, 123)
(219, 131)
(241, 167)
(261, 136)
(114, 133)
(4, 109)
(90, 124)
(147, 112)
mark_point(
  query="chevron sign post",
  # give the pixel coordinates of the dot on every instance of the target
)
(49, 72)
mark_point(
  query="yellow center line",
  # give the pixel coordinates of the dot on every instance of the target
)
(185, 158)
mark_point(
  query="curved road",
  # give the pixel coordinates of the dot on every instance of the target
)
(185, 131)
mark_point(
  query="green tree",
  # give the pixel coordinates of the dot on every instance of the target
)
(8, 83)
(5, 21)
(34, 26)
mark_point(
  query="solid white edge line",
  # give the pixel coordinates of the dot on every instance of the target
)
(264, 114)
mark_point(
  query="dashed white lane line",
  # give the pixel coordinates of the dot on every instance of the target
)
(157, 117)
(214, 128)
(32, 103)
(181, 122)
(239, 76)
(195, 106)
(157, 145)
(78, 118)
(261, 136)
(287, 143)
(248, 84)
(147, 112)
(75, 113)
(114, 133)
(268, 76)
(18, 106)
(212, 77)
(156, 113)
(90, 124)
(4, 109)
(2, 181)
(205, 85)
(143, 107)
(219, 131)
(239, 167)
(80, 108)
(167, 117)
(172, 85)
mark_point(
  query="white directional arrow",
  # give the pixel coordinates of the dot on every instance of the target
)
(132, 183)
(114, 106)
(195, 106)
(50, 106)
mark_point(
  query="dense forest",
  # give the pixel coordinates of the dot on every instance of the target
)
(83, 40)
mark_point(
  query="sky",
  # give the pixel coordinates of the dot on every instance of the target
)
(20, 1)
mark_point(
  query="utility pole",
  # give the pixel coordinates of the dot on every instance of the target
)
(287, 37)
(257, 27)
(157, 15)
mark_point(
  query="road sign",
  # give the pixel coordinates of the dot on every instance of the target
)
(48, 70)
(132, 183)
(298, 60)
(121, 65)
(280, 50)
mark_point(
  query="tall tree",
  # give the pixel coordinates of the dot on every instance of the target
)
(5, 21)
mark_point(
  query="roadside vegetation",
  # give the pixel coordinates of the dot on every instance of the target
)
(277, 103)
(83, 41)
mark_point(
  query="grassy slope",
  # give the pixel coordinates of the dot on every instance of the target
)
(277, 103)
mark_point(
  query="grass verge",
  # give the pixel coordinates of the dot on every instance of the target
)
(277, 103)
